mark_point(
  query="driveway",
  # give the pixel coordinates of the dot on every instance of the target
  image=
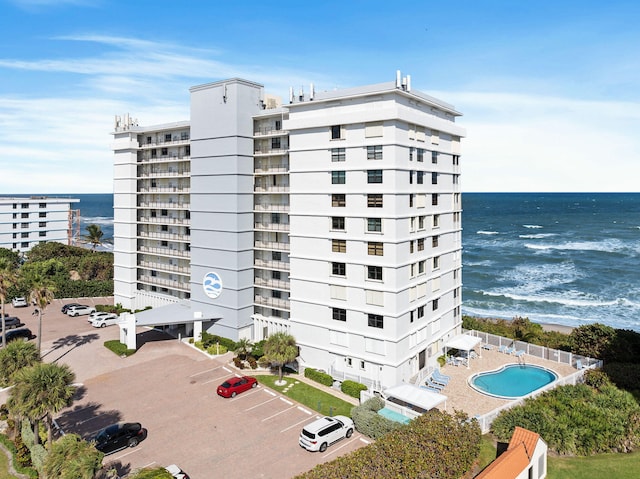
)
(169, 387)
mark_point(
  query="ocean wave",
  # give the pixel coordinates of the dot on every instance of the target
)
(561, 300)
(533, 226)
(605, 246)
(98, 220)
(487, 232)
(485, 262)
(537, 236)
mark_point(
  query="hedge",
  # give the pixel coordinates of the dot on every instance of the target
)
(352, 388)
(369, 422)
(434, 445)
(318, 376)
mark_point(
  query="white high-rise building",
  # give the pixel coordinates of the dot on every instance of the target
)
(335, 217)
(26, 221)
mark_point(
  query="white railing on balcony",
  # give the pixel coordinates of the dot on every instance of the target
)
(163, 159)
(271, 283)
(267, 167)
(161, 174)
(166, 283)
(271, 302)
(175, 140)
(170, 268)
(267, 208)
(164, 236)
(264, 131)
(272, 245)
(163, 220)
(165, 251)
(270, 264)
(271, 189)
(272, 226)
(269, 151)
(164, 205)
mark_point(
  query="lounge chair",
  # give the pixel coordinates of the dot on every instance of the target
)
(510, 351)
(520, 353)
(487, 346)
(439, 377)
(579, 364)
(438, 381)
(502, 349)
(433, 390)
(429, 383)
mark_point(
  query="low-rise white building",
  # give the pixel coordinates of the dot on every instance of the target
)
(26, 221)
(335, 217)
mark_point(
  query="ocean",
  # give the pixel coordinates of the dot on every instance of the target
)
(562, 258)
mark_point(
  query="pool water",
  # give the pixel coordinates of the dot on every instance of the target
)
(394, 416)
(512, 381)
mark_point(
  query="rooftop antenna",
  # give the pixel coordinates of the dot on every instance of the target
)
(398, 79)
(408, 82)
(290, 94)
(311, 92)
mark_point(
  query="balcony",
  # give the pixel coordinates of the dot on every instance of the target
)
(165, 283)
(164, 236)
(165, 173)
(266, 131)
(169, 205)
(147, 158)
(271, 264)
(163, 220)
(271, 283)
(261, 152)
(267, 167)
(165, 267)
(272, 245)
(165, 251)
(176, 140)
(270, 207)
(284, 227)
(272, 302)
(271, 189)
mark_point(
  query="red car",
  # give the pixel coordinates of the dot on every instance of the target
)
(235, 385)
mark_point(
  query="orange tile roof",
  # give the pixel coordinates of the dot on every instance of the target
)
(524, 436)
(515, 459)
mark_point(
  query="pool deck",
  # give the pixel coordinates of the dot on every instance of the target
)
(462, 397)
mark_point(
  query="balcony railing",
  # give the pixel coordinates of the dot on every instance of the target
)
(163, 159)
(271, 189)
(165, 251)
(270, 264)
(272, 226)
(163, 220)
(170, 268)
(268, 207)
(272, 302)
(268, 131)
(162, 174)
(164, 236)
(270, 151)
(165, 283)
(268, 167)
(175, 140)
(272, 283)
(164, 205)
(272, 245)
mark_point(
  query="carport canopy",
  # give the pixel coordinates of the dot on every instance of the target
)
(416, 396)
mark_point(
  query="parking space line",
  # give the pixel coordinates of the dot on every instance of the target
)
(134, 449)
(214, 380)
(365, 441)
(261, 404)
(287, 401)
(205, 371)
(336, 449)
(246, 395)
(226, 369)
(278, 413)
(294, 425)
(304, 410)
(270, 392)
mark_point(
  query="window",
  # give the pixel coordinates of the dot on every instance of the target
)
(374, 152)
(24, 215)
(276, 256)
(362, 365)
(336, 132)
(167, 137)
(42, 205)
(456, 179)
(372, 130)
(275, 143)
(275, 218)
(187, 150)
(374, 201)
(164, 228)
(374, 176)
(339, 246)
(374, 225)
(24, 235)
(375, 248)
(412, 198)
(374, 272)
(434, 199)
(456, 160)
(420, 178)
(339, 269)
(434, 241)
(375, 321)
(411, 244)
(164, 243)
(421, 312)
(349, 362)
(420, 154)
(436, 221)
(421, 222)
(434, 304)
(337, 223)
(338, 154)
(15, 216)
(421, 244)
(276, 293)
(411, 316)
(434, 157)
(24, 206)
(338, 177)
(411, 177)
(434, 178)
(42, 214)
(411, 149)
(163, 212)
(24, 244)
(436, 262)
(164, 151)
(339, 314)
(421, 266)
(154, 153)
(275, 275)
(338, 200)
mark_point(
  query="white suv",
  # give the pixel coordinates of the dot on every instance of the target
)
(78, 310)
(324, 432)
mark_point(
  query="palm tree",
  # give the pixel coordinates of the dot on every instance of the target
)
(94, 235)
(71, 457)
(8, 276)
(15, 356)
(280, 349)
(243, 347)
(42, 290)
(40, 391)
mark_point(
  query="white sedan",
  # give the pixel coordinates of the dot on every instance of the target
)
(105, 320)
(98, 314)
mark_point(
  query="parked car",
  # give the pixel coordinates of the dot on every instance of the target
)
(119, 436)
(323, 432)
(11, 322)
(19, 302)
(104, 320)
(23, 333)
(176, 472)
(78, 310)
(68, 306)
(236, 385)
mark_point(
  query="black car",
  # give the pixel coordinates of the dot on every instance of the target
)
(68, 306)
(119, 436)
(10, 322)
(22, 333)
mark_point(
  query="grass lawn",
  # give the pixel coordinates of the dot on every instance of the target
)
(4, 467)
(311, 397)
(620, 466)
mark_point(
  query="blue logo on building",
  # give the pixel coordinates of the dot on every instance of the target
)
(212, 285)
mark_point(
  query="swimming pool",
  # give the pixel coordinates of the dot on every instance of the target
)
(512, 381)
(394, 416)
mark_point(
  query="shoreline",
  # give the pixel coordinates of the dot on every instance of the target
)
(559, 328)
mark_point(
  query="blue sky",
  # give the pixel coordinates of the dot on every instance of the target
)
(549, 90)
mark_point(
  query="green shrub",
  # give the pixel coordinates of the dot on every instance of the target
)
(211, 339)
(257, 351)
(352, 388)
(118, 348)
(23, 455)
(11, 446)
(596, 378)
(369, 422)
(253, 364)
(318, 376)
(434, 445)
(215, 349)
(237, 362)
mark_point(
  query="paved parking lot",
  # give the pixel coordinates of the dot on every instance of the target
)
(169, 387)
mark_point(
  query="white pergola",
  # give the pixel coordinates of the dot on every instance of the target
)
(417, 396)
(462, 342)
